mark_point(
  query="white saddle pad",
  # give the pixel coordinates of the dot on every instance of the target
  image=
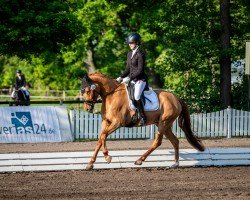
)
(151, 101)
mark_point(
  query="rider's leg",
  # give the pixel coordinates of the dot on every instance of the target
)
(139, 87)
(13, 94)
(26, 92)
(24, 95)
(142, 115)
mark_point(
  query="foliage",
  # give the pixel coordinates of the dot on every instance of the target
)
(240, 95)
(55, 42)
(35, 27)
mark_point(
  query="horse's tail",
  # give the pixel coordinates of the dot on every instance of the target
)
(185, 124)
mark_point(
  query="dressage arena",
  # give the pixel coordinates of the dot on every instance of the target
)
(222, 182)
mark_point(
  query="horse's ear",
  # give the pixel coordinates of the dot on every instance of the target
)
(86, 78)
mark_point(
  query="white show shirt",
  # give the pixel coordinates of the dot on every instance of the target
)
(133, 51)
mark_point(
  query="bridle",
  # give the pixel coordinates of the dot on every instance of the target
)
(97, 97)
(92, 102)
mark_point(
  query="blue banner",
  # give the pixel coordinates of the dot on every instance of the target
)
(24, 124)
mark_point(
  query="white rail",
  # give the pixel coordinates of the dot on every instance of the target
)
(225, 123)
(19, 162)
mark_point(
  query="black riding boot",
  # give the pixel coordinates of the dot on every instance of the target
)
(141, 113)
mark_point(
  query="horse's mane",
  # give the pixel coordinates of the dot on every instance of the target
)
(110, 84)
(101, 75)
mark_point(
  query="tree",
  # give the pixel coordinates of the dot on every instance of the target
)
(36, 27)
(182, 40)
(225, 58)
(102, 42)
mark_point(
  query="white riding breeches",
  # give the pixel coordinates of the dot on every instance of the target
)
(23, 89)
(139, 87)
(13, 94)
(26, 91)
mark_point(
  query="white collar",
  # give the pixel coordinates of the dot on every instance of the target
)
(134, 50)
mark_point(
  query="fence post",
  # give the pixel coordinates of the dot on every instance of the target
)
(72, 114)
(151, 132)
(64, 95)
(229, 122)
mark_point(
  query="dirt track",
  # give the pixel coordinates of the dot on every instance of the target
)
(228, 183)
(188, 183)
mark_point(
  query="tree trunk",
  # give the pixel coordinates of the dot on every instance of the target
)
(225, 58)
(89, 62)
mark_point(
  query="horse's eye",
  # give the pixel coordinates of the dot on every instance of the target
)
(87, 91)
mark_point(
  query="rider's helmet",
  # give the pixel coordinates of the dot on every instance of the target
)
(18, 71)
(134, 38)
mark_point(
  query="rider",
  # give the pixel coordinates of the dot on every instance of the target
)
(20, 83)
(135, 72)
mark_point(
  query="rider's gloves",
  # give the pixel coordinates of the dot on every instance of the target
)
(126, 80)
(119, 79)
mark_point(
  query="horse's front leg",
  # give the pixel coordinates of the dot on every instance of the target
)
(107, 128)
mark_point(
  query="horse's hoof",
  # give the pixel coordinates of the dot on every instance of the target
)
(176, 164)
(108, 159)
(138, 162)
(89, 166)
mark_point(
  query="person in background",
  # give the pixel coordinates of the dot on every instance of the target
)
(20, 83)
(135, 72)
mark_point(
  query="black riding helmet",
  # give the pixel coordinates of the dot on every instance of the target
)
(134, 38)
(18, 71)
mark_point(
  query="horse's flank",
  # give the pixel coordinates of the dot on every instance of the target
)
(116, 105)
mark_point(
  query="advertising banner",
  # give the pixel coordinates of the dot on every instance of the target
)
(23, 124)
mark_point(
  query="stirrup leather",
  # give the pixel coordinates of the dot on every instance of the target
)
(141, 115)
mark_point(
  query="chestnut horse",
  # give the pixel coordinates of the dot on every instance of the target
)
(116, 113)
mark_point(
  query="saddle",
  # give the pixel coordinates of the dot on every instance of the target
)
(148, 97)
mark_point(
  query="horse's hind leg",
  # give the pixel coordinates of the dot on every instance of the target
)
(175, 142)
(157, 142)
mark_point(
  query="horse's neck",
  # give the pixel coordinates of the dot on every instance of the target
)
(107, 85)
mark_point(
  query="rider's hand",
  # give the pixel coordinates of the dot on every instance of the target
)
(126, 80)
(119, 79)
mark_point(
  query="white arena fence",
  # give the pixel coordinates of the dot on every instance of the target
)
(45, 94)
(225, 123)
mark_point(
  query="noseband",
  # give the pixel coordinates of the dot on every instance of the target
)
(93, 101)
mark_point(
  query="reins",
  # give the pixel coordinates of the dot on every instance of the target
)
(104, 95)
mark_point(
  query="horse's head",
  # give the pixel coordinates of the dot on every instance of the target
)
(89, 93)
